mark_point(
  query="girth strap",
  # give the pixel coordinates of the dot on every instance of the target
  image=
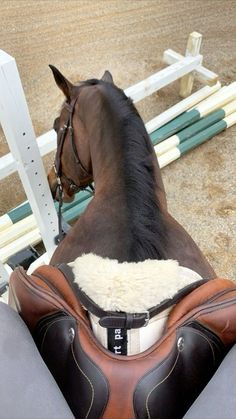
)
(122, 320)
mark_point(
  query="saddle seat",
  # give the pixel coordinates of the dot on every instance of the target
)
(163, 381)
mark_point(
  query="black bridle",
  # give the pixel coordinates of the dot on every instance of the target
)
(67, 127)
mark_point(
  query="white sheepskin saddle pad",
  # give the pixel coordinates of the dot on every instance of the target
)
(131, 288)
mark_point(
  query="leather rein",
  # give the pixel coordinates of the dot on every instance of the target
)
(67, 127)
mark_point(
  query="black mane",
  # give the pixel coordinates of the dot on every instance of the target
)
(147, 231)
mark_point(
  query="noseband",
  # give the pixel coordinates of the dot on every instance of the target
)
(58, 165)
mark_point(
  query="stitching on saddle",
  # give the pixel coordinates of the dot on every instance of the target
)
(160, 382)
(90, 382)
(101, 374)
(98, 370)
(47, 329)
(167, 376)
(221, 305)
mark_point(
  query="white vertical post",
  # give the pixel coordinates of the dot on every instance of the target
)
(193, 49)
(19, 132)
(4, 275)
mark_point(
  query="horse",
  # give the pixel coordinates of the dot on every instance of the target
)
(101, 138)
(136, 314)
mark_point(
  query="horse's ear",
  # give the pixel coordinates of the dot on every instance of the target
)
(107, 77)
(63, 84)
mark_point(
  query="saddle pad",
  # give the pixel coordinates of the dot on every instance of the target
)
(130, 287)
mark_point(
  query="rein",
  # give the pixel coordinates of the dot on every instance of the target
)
(58, 167)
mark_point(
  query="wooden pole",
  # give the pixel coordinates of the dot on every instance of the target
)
(216, 101)
(181, 107)
(163, 78)
(201, 74)
(193, 49)
(199, 126)
(176, 152)
(24, 210)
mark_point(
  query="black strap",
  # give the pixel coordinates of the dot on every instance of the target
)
(122, 320)
(63, 226)
(58, 166)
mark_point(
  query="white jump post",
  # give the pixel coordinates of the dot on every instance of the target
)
(18, 129)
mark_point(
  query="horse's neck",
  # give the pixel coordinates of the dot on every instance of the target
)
(112, 166)
(129, 195)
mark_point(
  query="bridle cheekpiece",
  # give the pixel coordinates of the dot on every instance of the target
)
(57, 166)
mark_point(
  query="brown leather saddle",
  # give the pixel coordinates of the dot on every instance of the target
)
(161, 382)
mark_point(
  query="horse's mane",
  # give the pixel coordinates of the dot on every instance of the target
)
(147, 231)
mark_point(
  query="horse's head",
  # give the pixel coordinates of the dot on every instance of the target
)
(72, 170)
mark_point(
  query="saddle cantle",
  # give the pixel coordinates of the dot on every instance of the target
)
(161, 382)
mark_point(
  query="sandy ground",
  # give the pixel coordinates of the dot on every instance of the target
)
(83, 38)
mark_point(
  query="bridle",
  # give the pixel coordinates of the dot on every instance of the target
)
(58, 165)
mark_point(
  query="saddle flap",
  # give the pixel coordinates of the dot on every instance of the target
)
(212, 304)
(43, 292)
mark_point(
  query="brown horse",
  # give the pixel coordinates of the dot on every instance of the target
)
(102, 138)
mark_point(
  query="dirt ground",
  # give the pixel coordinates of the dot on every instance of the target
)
(83, 38)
